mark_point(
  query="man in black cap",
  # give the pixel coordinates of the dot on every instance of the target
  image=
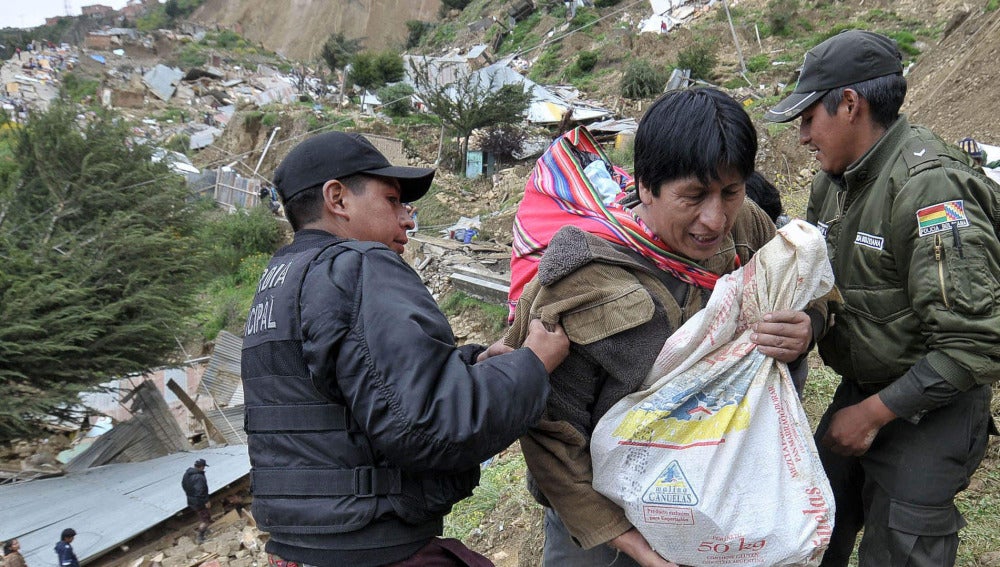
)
(912, 234)
(195, 487)
(365, 421)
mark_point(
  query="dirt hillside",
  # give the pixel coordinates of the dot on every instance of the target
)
(954, 86)
(298, 28)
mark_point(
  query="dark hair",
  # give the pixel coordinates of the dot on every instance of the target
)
(68, 532)
(8, 547)
(306, 206)
(699, 132)
(884, 95)
(765, 194)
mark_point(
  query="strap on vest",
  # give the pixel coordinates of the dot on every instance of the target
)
(319, 417)
(361, 482)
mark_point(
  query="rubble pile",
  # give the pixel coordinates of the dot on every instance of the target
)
(233, 540)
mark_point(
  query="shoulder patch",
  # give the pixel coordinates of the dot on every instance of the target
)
(919, 155)
(941, 217)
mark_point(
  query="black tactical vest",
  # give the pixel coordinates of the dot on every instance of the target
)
(312, 470)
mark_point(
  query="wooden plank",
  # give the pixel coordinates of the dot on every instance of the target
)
(192, 407)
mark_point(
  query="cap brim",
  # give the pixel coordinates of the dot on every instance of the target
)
(793, 105)
(414, 182)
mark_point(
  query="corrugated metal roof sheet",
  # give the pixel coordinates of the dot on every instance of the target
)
(229, 421)
(222, 376)
(108, 505)
(163, 80)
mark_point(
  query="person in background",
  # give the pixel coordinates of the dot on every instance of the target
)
(64, 549)
(620, 295)
(975, 152)
(195, 487)
(912, 233)
(761, 191)
(366, 422)
(12, 554)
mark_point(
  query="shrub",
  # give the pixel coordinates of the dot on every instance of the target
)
(780, 14)
(396, 99)
(584, 17)
(503, 141)
(178, 143)
(586, 60)
(758, 63)
(233, 237)
(415, 30)
(373, 70)
(905, 41)
(606, 3)
(700, 58)
(641, 80)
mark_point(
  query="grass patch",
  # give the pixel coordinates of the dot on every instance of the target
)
(458, 303)
(501, 486)
(77, 88)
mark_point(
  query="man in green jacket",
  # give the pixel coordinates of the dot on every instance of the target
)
(912, 234)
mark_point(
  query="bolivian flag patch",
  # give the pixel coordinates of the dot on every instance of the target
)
(940, 217)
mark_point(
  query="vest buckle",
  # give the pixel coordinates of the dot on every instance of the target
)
(364, 486)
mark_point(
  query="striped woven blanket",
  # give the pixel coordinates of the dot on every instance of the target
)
(559, 193)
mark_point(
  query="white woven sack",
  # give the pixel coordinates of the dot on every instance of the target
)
(714, 461)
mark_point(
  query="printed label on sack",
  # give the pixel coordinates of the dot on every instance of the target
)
(678, 416)
(731, 550)
(668, 515)
(672, 488)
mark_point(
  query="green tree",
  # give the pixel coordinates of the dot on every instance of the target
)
(338, 50)
(100, 263)
(373, 70)
(471, 101)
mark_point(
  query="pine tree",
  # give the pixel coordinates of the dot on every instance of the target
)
(99, 263)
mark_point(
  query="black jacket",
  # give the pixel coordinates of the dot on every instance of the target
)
(365, 422)
(195, 486)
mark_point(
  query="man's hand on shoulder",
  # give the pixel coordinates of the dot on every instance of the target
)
(551, 346)
(783, 335)
(636, 546)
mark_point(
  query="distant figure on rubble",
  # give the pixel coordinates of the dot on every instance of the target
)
(365, 421)
(12, 554)
(195, 486)
(65, 551)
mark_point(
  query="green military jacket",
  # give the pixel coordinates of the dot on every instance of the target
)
(912, 234)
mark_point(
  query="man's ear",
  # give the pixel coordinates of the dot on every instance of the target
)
(645, 195)
(852, 102)
(333, 199)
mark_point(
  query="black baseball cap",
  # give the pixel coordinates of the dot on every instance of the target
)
(849, 57)
(336, 155)
(200, 463)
